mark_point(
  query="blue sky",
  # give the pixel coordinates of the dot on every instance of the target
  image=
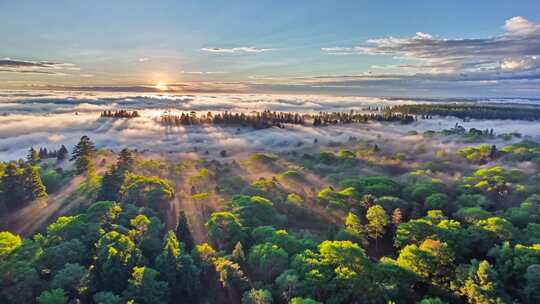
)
(275, 46)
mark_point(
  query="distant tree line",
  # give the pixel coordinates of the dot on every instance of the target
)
(257, 120)
(268, 119)
(120, 114)
(35, 156)
(465, 111)
(335, 118)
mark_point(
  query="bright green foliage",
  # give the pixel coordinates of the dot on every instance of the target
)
(178, 270)
(225, 229)
(377, 222)
(116, 256)
(354, 228)
(55, 296)
(499, 227)
(12, 187)
(230, 274)
(291, 174)
(145, 287)
(256, 211)
(19, 279)
(338, 272)
(413, 232)
(375, 185)
(479, 154)
(8, 243)
(33, 186)
(66, 228)
(147, 191)
(257, 296)
(267, 261)
(432, 260)
(295, 199)
(396, 281)
(478, 283)
(494, 181)
(304, 301)
(266, 188)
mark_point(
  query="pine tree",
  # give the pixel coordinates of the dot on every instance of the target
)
(377, 221)
(32, 157)
(12, 192)
(33, 186)
(82, 154)
(183, 234)
(125, 160)
(62, 153)
(111, 184)
(85, 147)
(355, 228)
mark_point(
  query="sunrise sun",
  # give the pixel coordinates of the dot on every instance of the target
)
(162, 86)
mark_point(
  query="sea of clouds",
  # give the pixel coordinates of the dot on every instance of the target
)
(50, 119)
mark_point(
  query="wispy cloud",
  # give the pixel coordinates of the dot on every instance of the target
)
(143, 59)
(244, 49)
(34, 67)
(516, 50)
(202, 72)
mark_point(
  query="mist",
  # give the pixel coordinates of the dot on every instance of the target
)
(37, 119)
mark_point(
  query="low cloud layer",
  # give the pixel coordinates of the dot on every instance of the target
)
(50, 119)
(512, 57)
(243, 49)
(35, 67)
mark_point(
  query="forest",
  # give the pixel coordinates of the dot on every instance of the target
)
(468, 111)
(268, 119)
(380, 220)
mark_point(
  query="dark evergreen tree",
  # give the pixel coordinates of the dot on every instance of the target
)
(183, 234)
(33, 156)
(12, 192)
(62, 154)
(82, 155)
(125, 160)
(32, 184)
(111, 185)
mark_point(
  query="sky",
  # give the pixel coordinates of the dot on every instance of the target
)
(362, 48)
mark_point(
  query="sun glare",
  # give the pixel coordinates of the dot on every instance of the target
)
(161, 86)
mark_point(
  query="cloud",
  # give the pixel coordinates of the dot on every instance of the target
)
(244, 49)
(203, 72)
(517, 49)
(144, 59)
(48, 119)
(340, 50)
(34, 67)
(519, 26)
(505, 64)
